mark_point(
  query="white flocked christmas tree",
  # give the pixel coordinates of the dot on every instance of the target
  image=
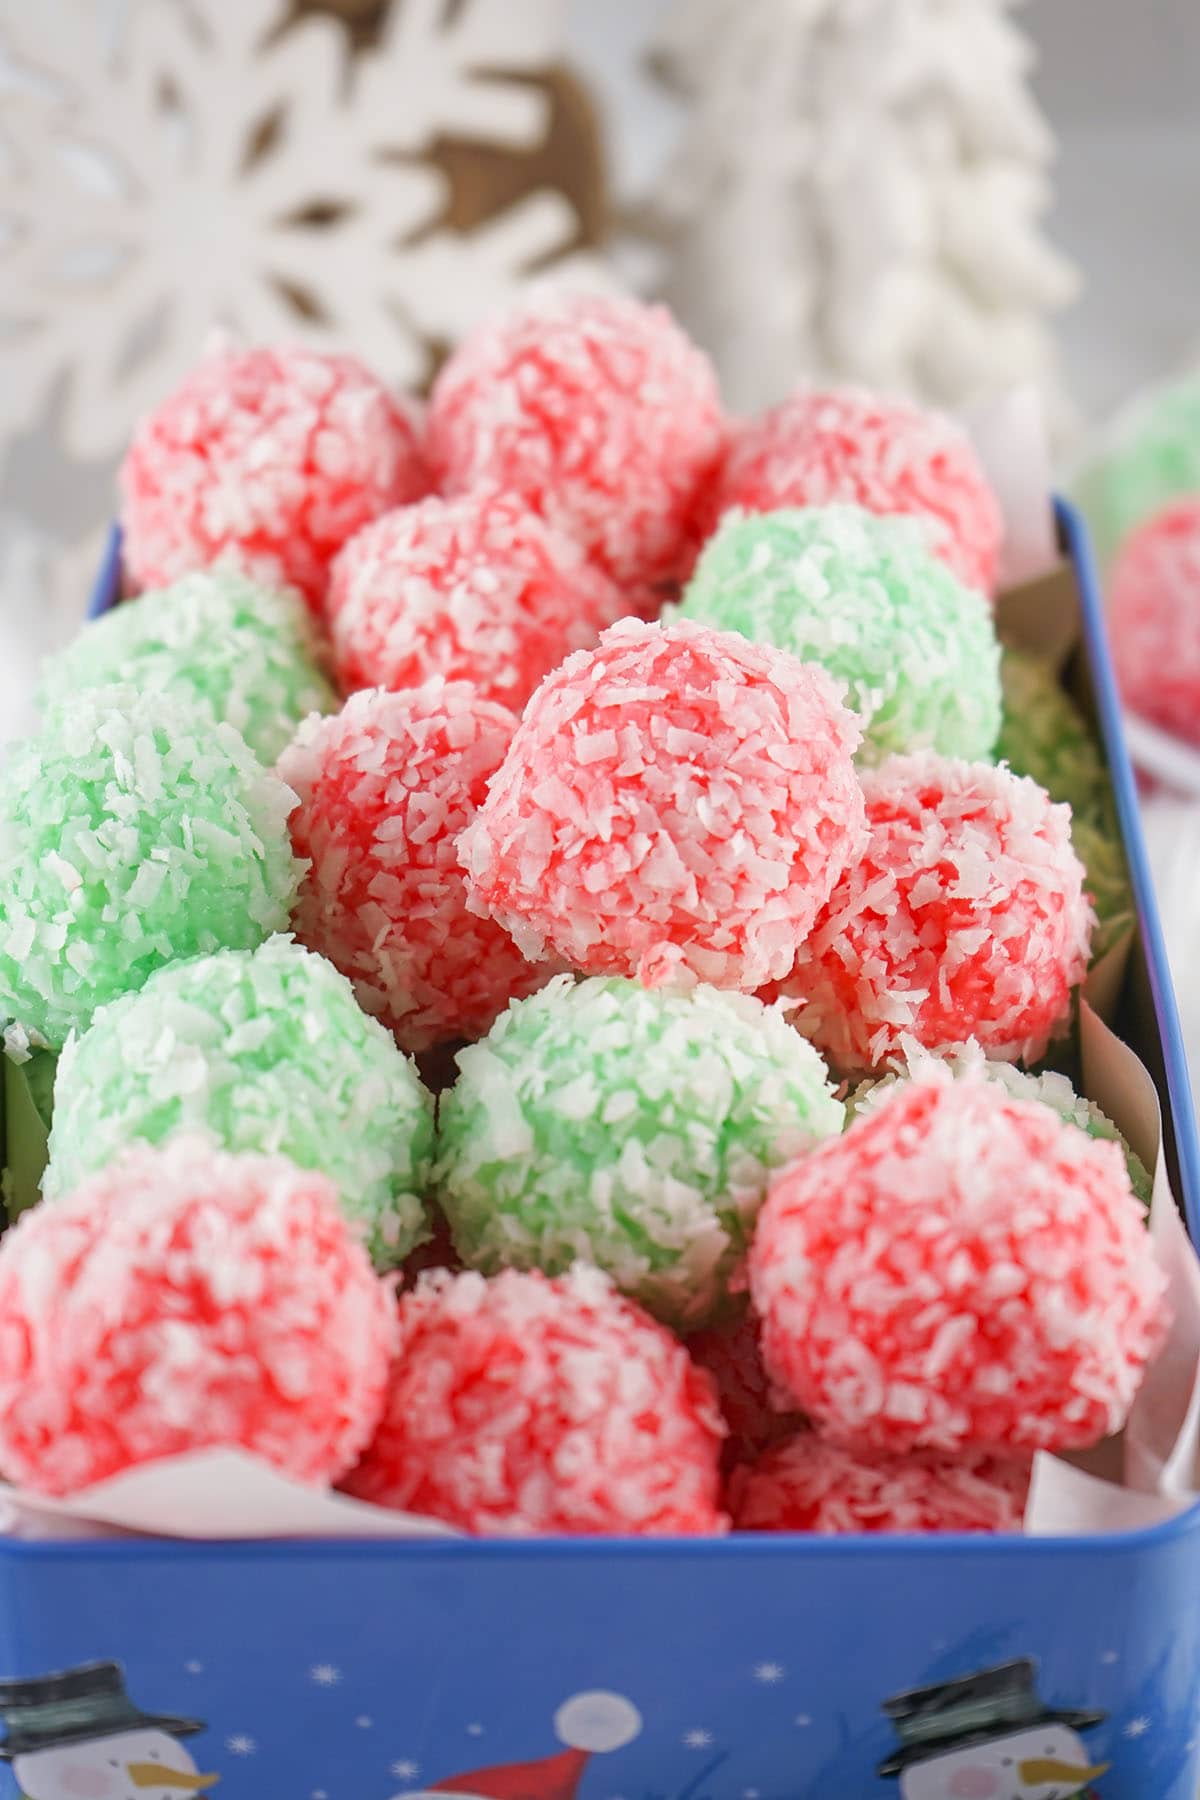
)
(858, 196)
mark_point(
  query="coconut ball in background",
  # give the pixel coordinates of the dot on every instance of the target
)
(265, 460)
(474, 588)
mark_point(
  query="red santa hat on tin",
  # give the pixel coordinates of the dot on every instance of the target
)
(588, 1724)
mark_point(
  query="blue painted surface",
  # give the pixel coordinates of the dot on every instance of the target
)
(759, 1666)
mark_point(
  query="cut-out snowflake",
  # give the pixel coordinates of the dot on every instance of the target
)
(1137, 1728)
(211, 168)
(769, 1673)
(324, 1675)
(697, 1740)
(240, 1745)
(405, 1769)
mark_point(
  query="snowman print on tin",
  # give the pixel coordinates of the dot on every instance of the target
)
(989, 1736)
(78, 1736)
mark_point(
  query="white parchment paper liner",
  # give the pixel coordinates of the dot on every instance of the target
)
(210, 1494)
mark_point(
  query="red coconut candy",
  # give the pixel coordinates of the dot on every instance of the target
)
(522, 1404)
(842, 444)
(809, 1484)
(960, 1270)
(385, 788)
(1154, 619)
(266, 460)
(185, 1298)
(475, 588)
(964, 917)
(677, 797)
(601, 414)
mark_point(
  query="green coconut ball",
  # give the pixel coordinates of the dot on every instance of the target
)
(1049, 1088)
(1098, 847)
(264, 1050)
(133, 832)
(1044, 734)
(245, 653)
(630, 1128)
(1150, 456)
(866, 597)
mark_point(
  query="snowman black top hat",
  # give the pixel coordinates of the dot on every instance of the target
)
(68, 1708)
(954, 1714)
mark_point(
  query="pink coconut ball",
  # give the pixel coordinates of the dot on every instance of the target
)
(959, 1270)
(266, 461)
(522, 1404)
(474, 588)
(823, 445)
(601, 414)
(676, 799)
(182, 1299)
(965, 916)
(809, 1484)
(385, 789)
(1154, 619)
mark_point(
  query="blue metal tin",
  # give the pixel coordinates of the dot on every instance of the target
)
(773, 1668)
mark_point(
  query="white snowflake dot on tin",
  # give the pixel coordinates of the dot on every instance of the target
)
(597, 1722)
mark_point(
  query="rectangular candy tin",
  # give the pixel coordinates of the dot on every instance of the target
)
(768, 1668)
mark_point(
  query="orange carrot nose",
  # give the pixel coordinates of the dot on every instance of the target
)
(1045, 1768)
(157, 1775)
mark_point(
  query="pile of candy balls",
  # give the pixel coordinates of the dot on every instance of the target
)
(551, 912)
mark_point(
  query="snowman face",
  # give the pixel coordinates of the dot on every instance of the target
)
(133, 1765)
(1047, 1763)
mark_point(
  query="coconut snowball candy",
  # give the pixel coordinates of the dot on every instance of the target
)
(267, 460)
(247, 654)
(960, 1270)
(385, 789)
(628, 1128)
(133, 832)
(600, 414)
(675, 797)
(809, 1484)
(1050, 1087)
(183, 1298)
(822, 445)
(1154, 619)
(867, 598)
(964, 917)
(264, 1051)
(522, 1405)
(474, 588)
